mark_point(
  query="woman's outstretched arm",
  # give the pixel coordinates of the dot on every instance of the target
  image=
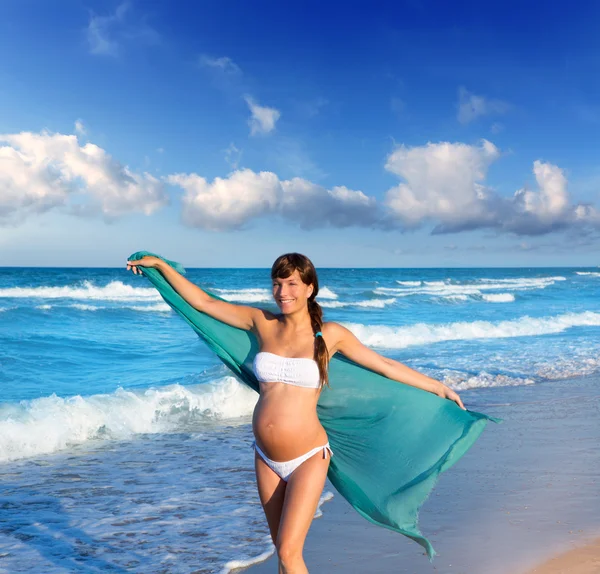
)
(240, 316)
(347, 343)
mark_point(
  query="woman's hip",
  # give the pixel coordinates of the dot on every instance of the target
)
(285, 444)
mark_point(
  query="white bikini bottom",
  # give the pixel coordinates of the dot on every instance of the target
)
(286, 468)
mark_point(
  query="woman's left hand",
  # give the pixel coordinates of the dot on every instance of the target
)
(447, 393)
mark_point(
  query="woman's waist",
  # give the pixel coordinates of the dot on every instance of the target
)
(285, 442)
(287, 402)
(285, 418)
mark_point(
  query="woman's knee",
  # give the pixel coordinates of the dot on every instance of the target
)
(288, 553)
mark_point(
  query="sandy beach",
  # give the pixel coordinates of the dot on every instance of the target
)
(519, 501)
(580, 560)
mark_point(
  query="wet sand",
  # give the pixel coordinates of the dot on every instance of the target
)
(581, 560)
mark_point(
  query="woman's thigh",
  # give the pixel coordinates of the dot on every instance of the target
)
(271, 491)
(302, 494)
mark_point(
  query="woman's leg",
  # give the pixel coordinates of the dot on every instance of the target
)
(304, 488)
(271, 491)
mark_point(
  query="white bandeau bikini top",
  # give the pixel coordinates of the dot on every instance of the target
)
(299, 371)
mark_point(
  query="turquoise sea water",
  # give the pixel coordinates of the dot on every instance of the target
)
(105, 469)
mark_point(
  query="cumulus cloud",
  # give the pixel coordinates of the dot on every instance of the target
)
(547, 208)
(313, 206)
(227, 203)
(263, 119)
(105, 34)
(444, 184)
(223, 64)
(470, 106)
(230, 203)
(40, 171)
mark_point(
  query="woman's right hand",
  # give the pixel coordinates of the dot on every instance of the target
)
(146, 261)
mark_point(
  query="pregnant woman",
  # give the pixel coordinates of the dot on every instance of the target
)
(292, 450)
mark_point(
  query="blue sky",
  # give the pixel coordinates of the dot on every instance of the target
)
(365, 134)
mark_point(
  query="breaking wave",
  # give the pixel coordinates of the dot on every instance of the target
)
(421, 333)
(52, 423)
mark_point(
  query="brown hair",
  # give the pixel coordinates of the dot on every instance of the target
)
(283, 267)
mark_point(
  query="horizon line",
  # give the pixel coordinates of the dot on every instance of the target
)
(320, 267)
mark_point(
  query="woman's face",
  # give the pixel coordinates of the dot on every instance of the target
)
(291, 293)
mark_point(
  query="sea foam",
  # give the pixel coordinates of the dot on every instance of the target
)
(421, 333)
(260, 295)
(113, 291)
(368, 303)
(53, 423)
(468, 288)
(498, 297)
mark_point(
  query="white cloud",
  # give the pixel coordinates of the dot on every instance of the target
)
(548, 208)
(25, 187)
(230, 203)
(313, 206)
(551, 201)
(227, 203)
(80, 128)
(263, 119)
(470, 106)
(444, 184)
(40, 171)
(105, 34)
(228, 76)
(224, 64)
(100, 33)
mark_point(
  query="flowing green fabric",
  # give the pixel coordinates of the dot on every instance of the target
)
(390, 440)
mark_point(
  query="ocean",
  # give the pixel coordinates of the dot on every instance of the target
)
(125, 443)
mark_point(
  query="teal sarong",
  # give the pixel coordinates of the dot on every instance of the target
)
(391, 440)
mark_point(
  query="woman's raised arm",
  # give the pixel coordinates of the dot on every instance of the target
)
(240, 316)
(348, 344)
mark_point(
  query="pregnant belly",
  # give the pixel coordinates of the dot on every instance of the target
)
(287, 427)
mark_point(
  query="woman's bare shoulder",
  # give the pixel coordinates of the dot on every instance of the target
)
(333, 333)
(265, 320)
(331, 327)
(266, 316)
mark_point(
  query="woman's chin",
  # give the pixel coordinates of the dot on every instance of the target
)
(286, 309)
